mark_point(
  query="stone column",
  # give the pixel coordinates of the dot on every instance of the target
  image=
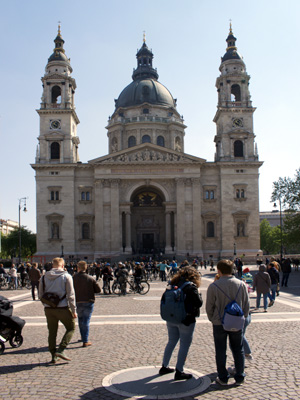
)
(98, 201)
(168, 248)
(115, 231)
(180, 211)
(128, 248)
(197, 222)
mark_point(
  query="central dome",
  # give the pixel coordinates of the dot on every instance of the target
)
(145, 87)
(145, 91)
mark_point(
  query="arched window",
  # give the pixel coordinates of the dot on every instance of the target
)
(235, 93)
(237, 193)
(242, 193)
(85, 231)
(55, 151)
(55, 231)
(238, 148)
(56, 95)
(146, 139)
(212, 194)
(160, 141)
(210, 228)
(131, 141)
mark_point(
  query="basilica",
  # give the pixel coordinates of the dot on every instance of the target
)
(147, 196)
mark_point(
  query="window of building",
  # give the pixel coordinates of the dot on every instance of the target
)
(160, 141)
(131, 141)
(54, 195)
(55, 151)
(238, 148)
(56, 95)
(209, 194)
(54, 230)
(235, 93)
(146, 111)
(240, 192)
(146, 139)
(85, 196)
(210, 229)
(240, 228)
(85, 230)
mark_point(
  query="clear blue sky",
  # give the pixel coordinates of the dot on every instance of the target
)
(187, 39)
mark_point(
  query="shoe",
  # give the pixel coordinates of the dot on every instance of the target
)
(239, 383)
(248, 356)
(181, 376)
(231, 371)
(265, 310)
(271, 303)
(61, 354)
(86, 344)
(222, 383)
(165, 370)
(54, 360)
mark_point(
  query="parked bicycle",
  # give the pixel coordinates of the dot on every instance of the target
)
(3, 282)
(128, 286)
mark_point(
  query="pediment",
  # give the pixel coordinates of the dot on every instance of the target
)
(147, 153)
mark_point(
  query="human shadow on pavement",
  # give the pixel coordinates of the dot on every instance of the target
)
(30, 350)
(12, 369)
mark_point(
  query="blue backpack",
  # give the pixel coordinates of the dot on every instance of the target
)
(233, 319)
(172, 307)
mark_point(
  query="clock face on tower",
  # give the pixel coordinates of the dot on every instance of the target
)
(237, 122)
(55, 124)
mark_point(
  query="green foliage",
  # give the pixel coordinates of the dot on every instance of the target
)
(10, 243)
(270, 240)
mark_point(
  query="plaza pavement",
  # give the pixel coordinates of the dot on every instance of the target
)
(128, 334)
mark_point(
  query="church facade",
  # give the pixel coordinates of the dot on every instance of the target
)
(147, 195)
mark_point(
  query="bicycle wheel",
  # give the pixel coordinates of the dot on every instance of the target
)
(116, 288)
(144, 287)
(2, 348)
(28, 284)
(106, 288)
(16, 341)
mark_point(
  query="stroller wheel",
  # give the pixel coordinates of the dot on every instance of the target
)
(16, 341)
(2, 348)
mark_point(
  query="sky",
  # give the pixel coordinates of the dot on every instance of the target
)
(187, 39)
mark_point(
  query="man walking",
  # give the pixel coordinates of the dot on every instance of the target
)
(34, 276)
(216, 301)
(59, 282)
(85, 288)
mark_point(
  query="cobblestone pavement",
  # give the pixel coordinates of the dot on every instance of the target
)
(127, 332)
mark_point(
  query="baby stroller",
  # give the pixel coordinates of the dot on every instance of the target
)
(10, 327)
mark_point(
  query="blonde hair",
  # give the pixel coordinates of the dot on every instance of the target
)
(58, 262)
(82, 266)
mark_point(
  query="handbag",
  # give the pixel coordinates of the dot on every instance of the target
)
(50, 299)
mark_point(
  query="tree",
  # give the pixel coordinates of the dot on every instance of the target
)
(270, 239)
(10, 243)
(287, 192)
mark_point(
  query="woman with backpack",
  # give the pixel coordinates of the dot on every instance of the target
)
(189, 279)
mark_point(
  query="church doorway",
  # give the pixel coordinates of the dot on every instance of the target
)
(148, 230)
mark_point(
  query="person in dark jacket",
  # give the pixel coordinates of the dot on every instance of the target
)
(274, 275)
(34, 276)
(183, 331)
(262, 285)
(286, 270)
(85, 288)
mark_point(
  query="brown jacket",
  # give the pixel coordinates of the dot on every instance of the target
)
(34, 274)
(85, 287)
(262, 282)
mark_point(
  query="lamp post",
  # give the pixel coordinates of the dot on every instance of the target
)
(62, 252)
(280, 219)
(21, 201)
(234, 250)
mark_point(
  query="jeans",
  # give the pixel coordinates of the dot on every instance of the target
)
(236, 344)
(34, 284)
(265, 297)
(285, 278)
(54, 315)
(84, 313)
(247, 349)
(185, 335)
(272, 296)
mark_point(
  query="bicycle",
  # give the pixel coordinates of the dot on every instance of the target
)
(106, 284)
(3, 282)
(141, 287)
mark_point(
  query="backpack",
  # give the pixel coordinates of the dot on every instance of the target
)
(50, 299)
(233, 319)
(172, 307)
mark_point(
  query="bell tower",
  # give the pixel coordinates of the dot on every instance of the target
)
(58, 140)
(234, 117)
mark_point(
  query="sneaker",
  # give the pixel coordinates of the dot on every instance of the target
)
(87, 344)
(271, 303)
(239, 383)
(231, 371)
(61, 354)
(265, 310)
(165, 370)
(54, 360)
(222, 383)
(248, 356)
(181, 376)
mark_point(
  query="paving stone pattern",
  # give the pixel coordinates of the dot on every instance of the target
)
(136, 337)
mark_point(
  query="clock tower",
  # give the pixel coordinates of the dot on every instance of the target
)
(58, 141)
(234, 117)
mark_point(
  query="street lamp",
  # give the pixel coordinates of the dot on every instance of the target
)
(234, 250)
(280, 218)
(22, 202)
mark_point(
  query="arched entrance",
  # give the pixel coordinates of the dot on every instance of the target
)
(148, 230)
